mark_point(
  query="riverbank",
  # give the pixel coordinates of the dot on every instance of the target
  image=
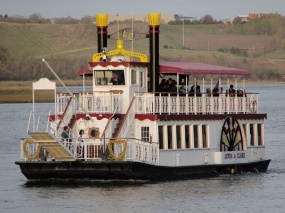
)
(21, 91)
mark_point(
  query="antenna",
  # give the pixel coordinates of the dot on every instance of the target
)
(132, 49)
(118, 25)
(70, 93)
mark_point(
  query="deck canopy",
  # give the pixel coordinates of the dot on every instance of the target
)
(184, 68)
(188, 68)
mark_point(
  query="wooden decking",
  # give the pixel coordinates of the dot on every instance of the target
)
(52, 146)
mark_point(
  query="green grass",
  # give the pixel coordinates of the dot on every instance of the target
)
(201, 42)
(80, 41)
(21, 91)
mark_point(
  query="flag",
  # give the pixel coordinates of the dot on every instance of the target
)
(217, 85)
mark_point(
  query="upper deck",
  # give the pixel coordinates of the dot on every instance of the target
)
(160, 103)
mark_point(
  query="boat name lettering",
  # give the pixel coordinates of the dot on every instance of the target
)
(235, 155)
(240, 155)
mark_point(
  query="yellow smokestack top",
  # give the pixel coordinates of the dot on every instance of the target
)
(102, 20)
(154, 19)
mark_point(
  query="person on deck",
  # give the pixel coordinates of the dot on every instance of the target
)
(231, 91)
(172, 88)
(116, 80)
(241, 93)
(65, 134)
(195, 89)
(81, 135)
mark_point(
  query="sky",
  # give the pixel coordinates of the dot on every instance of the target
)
(219, 9)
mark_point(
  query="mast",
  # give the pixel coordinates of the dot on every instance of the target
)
(154, 21)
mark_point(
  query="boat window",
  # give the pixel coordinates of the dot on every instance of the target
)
(178, 137)
(187, 136)
(169, 136)
(109, 77)
(160, 137)
(204, 136)
(196, 142)
(134, 77)
(141, 79)
(251, 135)
(145, 133)
(259, 134)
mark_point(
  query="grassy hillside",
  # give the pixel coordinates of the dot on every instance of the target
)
(80, 40)
(201, 42)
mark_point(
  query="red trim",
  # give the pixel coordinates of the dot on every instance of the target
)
(199, 117)
(116, 64)
(98, 116)
(199, 69)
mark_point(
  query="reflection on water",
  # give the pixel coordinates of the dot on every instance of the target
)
(251, 192)
(89, 183)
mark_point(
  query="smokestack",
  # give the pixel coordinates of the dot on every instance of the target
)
(154, 21)
(102, 33)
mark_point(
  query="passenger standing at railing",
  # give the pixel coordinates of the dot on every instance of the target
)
(163, 86)
(195, 89)
(81, 135)
(241, 93)
(171, 87)
(231, 91)
(65, 134)
(208, 91)
(80, 148)
(217, 91)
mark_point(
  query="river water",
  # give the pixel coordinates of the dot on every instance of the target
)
(262, 192)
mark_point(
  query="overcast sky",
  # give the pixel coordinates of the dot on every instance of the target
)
(219, 9)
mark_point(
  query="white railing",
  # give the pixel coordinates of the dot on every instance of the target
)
(100, 102)
(143, 152)
(89, 149)
(62, 102)
(147, 103)
(69, 110)
(35, 124)
(139, 151)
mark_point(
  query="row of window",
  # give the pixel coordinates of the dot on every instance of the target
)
(197, 136)
(185, 136)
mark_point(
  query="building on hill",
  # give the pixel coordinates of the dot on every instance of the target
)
(245, 18)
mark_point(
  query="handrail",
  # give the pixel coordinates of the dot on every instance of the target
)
(110, 119)
(125, 118)
(64, 113)
(105, 129)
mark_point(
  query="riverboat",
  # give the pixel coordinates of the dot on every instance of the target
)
(135, 130)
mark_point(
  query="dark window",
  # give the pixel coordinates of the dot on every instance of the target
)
(196, 142)
(169, 134)
(178, 137)
(187, 136)
(204, 136)
(160, 137)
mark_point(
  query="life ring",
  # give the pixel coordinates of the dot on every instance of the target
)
(94, 133)
(253, 106)
(122, 154)
(83, 124)
(36, 154)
